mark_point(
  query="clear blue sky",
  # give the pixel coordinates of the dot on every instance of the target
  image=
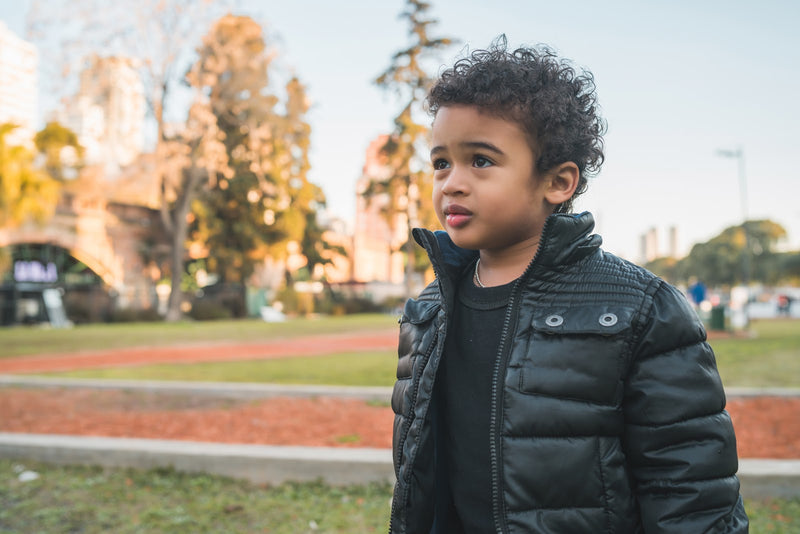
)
(677, 80)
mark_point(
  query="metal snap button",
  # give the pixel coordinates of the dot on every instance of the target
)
(608, 319)
(554, 320)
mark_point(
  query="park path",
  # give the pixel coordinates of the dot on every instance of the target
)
(312, 345)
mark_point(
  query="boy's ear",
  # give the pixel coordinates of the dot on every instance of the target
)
(563, 181)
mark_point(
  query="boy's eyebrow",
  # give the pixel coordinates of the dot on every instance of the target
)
(470, 144)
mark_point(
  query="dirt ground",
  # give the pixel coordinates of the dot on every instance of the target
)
(766, 427)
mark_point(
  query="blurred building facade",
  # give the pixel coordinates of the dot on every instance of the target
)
(19, 62)
(650, 246)
(376, 244)
(108, 113)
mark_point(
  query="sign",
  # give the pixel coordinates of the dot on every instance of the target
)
(35, 271)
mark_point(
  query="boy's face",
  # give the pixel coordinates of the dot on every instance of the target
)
(486, 191)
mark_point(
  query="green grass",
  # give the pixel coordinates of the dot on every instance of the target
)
(346, 369)
(21, 341)
(94, 500)
(769, 358)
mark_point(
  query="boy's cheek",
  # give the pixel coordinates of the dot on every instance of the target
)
(441, 218)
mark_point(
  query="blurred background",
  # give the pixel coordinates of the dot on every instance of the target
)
(163, 159)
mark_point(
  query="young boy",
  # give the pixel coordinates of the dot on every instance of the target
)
(544, 385)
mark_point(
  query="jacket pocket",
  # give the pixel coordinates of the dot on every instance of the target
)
(577, 353)
(417, 335)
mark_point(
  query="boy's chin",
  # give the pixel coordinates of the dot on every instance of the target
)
(463, 243)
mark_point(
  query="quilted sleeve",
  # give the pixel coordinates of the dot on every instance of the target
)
(679, 439)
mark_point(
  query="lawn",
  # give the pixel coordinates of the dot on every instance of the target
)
(344, 369)
(96, 500)
(769, 357)
(21, 341)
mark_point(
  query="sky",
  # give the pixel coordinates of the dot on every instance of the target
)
(677, 81)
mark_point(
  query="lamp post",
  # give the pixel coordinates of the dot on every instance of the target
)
(738, 154)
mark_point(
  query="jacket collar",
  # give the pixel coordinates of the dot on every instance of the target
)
(566, 238)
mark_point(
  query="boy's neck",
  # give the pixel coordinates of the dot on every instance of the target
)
(497, 268)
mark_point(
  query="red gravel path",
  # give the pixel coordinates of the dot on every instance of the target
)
(766, 427)
(308, 346)
(319, 421)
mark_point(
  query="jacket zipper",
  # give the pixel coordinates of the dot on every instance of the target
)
(497, 391)
(415, 384)
(407, 425)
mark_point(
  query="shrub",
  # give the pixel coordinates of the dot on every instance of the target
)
(209, 310)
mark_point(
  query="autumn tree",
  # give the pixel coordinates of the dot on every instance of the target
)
(269, 201)
(197, 161)
(301, 220)
(27, 193)
(409, 186)
(63, 154)
(159, 36)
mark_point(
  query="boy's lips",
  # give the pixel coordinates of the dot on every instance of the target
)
(457, 216)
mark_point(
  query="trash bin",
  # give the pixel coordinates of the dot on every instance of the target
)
(717, 318)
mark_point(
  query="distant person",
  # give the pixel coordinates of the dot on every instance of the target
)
(544, 385)
(784, 305)
(697, 292)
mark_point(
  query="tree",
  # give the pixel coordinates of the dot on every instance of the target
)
(199, 161)
(739, 254)
(159, 36)
(268, 202)
(26, 192)
(62, 152)
(409, 187)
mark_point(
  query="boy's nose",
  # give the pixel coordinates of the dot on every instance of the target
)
(455, 182)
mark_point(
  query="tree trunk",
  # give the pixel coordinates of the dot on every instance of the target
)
(180, 233)
(174, 312)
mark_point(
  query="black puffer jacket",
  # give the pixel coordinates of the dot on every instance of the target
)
(607, 409)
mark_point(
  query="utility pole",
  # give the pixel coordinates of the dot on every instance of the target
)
(738, 154)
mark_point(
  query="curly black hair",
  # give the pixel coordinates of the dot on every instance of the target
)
(555, 104)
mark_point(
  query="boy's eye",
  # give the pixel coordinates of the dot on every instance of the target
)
(481, 162)
(440, 164)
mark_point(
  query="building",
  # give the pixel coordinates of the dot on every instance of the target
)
(648, 250)
(674, 243)
(108, 113)
(649, 246)
(376, 245)
(19, 61)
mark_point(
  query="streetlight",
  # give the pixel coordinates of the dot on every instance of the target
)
(738, 154)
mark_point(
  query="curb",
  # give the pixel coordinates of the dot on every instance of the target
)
(237, 390)
(265, 390)
(268, 464)
(766, 478)
(260, 464)
(761, 392)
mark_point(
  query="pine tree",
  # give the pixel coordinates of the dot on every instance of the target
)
(409, 187)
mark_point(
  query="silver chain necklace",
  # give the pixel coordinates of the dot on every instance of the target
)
(476, 277)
